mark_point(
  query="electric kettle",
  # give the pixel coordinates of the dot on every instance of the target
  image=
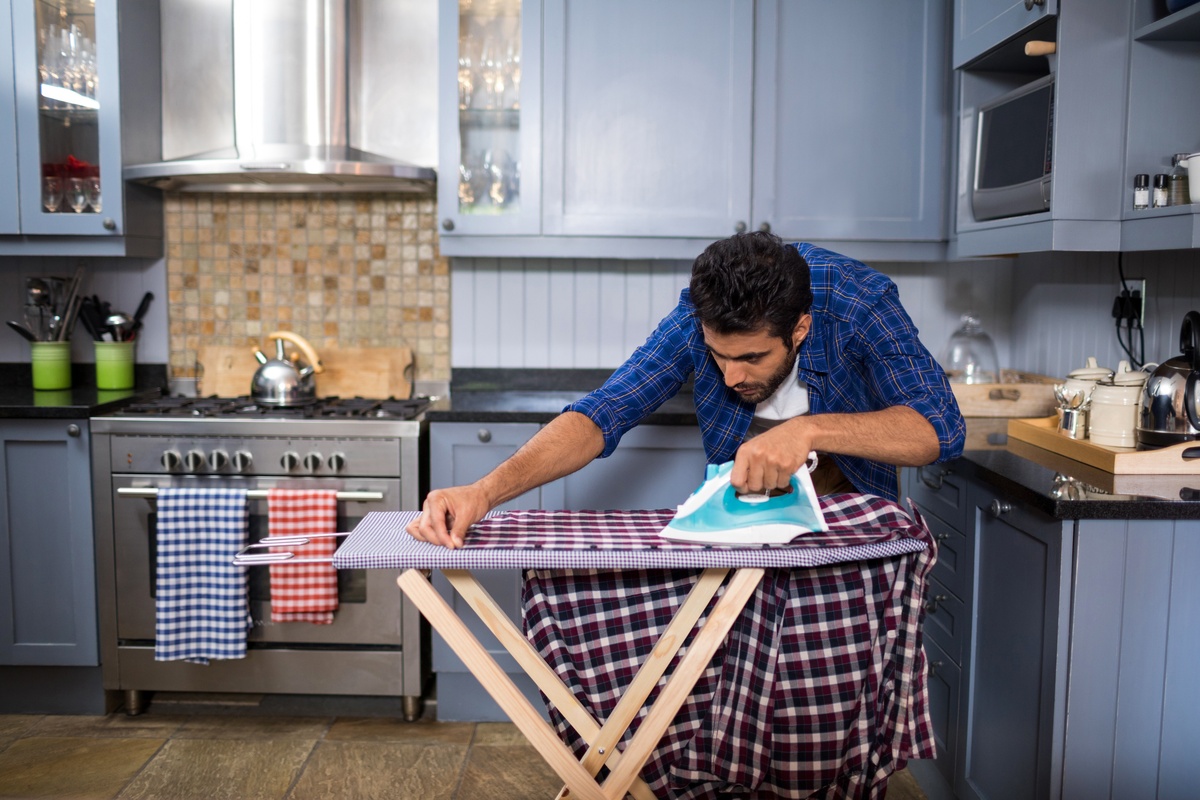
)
(282, 382)
(1167, 411)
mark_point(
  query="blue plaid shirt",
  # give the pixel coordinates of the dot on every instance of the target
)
(862, 354)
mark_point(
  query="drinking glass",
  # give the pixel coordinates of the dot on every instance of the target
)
(51, 193)
(93, 194)
(77, 196)
(466, 72)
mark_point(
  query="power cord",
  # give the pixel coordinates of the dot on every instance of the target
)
(1127, 308)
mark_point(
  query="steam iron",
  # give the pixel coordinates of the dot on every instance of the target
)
(716, 514)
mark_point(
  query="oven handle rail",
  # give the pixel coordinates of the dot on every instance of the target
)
(245, 558)
(254, 494)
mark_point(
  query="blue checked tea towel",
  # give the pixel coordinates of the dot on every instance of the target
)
(202, 609)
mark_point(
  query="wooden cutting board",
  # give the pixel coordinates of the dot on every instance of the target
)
(375, 372)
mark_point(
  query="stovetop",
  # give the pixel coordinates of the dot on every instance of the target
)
(327, 408)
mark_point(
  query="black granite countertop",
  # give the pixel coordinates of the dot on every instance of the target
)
(19, 400)
(1053, 484)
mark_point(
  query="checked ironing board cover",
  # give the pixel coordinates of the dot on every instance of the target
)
(819, 688)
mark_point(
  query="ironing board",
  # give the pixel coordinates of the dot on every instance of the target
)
(615, 540)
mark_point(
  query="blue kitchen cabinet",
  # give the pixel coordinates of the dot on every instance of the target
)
(47, 555)
(80, 81)
(667, 125)
(10, 217)
(982, 25)
(656, 466)
(1091, 80)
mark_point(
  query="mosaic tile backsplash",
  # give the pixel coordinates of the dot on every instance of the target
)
(340, 270)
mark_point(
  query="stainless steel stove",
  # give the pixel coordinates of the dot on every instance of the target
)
(369, 450)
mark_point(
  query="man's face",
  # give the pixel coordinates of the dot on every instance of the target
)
(755, 364)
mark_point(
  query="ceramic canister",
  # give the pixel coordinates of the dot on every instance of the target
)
(1112, 420)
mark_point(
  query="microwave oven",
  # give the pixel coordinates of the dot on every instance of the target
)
(1014, 152)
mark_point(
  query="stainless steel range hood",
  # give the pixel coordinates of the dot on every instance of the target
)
(257, 96)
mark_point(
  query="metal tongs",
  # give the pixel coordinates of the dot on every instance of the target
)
(245, 558)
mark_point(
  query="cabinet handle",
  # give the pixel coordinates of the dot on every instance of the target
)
(765, 227)
(447, 224)
(109, 224)
(936, 482)
(485, 435)
(932, 606)
(999, 507)
(740, 227)
(941, 537)
(1029, 4)
(934, 666)
(73, 430)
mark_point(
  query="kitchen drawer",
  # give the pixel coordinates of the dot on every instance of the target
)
(955, 555)
(944, 679)
(945, 619)
(938, 491)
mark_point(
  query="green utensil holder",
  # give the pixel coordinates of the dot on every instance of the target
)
(51, 365)
(114, 365)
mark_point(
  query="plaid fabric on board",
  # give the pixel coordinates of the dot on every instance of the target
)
(202, 610)
(819, 690)
(303, 592)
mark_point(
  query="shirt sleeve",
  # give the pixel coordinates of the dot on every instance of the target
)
(649, 377)
(904, 373)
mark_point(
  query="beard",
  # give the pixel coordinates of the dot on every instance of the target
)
(759, 391)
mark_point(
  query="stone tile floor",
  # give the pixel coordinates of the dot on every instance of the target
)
(177, 751)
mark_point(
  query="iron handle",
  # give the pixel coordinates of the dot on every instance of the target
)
(485, 435)
(999, 507)
(740, 227)
(73, 430)
(447, 224)
(932, 606)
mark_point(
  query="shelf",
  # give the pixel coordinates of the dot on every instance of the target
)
(1182, 26)
(490, 118)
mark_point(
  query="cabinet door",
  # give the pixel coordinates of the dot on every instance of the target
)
(47, 555)
(647, 117)
(655, 466)
(65, 67)
(10, 218)
(980, 25)
(945, 680)
(1013, 660)
(489, 100)
(850, 133)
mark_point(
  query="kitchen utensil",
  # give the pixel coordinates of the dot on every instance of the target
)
(716, 514)
(1167, 411)
(37, 292)
(970, 355)
(120, 324)
(141, 312)
(279, 381)
(22, 330)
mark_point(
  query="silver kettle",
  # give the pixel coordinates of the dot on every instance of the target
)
(281, 381)
(1167, 412)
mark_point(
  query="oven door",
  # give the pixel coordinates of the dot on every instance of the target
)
(368, 600)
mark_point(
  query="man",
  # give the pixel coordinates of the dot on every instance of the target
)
(793, 349)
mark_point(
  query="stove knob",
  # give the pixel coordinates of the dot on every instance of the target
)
(194, 461)
(242, 461)
(312, 462)
(289, 461)
(171, 460)
(218, 460)
(337, 462)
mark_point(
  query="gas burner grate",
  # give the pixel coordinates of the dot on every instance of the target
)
(246, 407)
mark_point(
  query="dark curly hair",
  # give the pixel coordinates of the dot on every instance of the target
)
(748, 281)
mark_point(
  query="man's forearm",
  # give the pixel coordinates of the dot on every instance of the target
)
(568, 443)
(898, 435)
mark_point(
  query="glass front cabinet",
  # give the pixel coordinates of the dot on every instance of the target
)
(65, 152)
(489, 179)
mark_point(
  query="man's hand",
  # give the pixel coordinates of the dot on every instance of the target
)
(447, 514)
(769, 460)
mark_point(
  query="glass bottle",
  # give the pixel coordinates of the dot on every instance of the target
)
(1141, 191)
(1177, 185)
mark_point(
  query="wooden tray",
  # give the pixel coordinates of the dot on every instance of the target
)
(1020, 394)
(1100, 485)
(375, 372)
(1178, 459)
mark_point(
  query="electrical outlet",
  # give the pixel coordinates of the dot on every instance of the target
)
(1137, 296)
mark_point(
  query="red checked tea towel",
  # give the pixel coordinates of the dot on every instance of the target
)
(304, 592)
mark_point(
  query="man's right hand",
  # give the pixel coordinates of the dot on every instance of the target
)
(447, 514)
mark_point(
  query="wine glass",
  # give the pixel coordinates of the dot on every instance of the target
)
(93, 194)
(51, 193)
(466, 72)
(77, 196)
